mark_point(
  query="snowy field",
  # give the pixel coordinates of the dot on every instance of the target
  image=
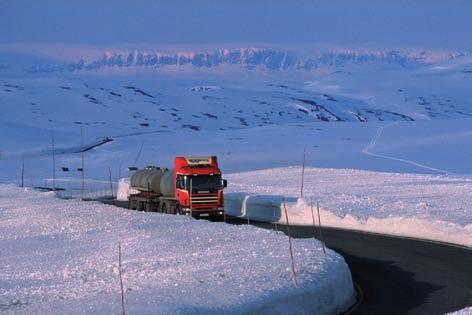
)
(61, 257)
(434, 207)
(383, 111)
(371, 110)
(387, 135)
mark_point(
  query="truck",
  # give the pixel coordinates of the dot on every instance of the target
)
(193, 187)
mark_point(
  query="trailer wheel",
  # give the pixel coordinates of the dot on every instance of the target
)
(163, 208)
(132, 204)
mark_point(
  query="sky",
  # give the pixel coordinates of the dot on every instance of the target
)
(404, 24)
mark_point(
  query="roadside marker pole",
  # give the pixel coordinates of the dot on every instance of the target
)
(275, 222)
(303, 173)
(82, 186)
(53, 162)
(246, 212)
(313, 219)
(23, 172)
(111, 184)
(294, 273)
(121, 280)
(319, 221)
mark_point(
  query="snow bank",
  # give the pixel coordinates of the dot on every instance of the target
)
(123, 190)
(465, 311)
(60, 256)
(421, 206)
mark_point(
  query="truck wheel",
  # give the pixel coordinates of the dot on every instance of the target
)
(178, 209)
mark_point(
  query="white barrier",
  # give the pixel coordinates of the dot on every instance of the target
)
(258, 207)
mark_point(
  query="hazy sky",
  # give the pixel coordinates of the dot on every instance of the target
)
(400, 23)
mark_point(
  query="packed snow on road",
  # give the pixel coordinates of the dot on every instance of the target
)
(61, 257)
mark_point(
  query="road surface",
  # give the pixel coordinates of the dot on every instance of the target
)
(399, 275)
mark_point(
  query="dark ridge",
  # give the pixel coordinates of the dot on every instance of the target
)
(242, 121)
(359, 117)
(319, 108)
(139, 91)
(330, 98)
(211, 116)
(92, 99)
(407, 118)
(193, 127)
(303, 111)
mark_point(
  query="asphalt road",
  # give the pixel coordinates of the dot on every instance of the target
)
(399, 275)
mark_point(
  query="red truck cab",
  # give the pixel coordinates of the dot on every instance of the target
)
(199, 186)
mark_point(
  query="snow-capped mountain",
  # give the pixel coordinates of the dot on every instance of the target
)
(263, 58)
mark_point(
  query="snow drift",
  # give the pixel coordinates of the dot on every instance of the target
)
(421, 206)
(60, 256)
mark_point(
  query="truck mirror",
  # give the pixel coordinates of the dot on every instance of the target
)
(225, 183)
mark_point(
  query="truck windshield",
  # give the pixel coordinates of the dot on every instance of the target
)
(205, 182)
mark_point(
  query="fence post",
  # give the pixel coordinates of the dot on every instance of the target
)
(111, 184)
(121, 280)
(303, 173)
(319, 221)
(275, 222)
(294, 273)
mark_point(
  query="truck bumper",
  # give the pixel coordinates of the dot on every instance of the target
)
(204, 212)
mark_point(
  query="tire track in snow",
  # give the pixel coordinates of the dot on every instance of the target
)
(367, 150)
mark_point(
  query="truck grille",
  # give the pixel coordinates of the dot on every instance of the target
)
(204, 199)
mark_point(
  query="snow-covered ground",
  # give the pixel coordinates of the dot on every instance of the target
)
(377, 115)
(132, 75)
(61, 257)
(465, 311)
(434, 207)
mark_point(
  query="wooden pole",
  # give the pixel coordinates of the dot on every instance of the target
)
(319, 221)
(82, 186)
(53, 162)
(139, 154)
(275, 221)
(294, 273)
(111, 184)
(247, 212)
(303, 173)
(313, 219)
(121, 280)
(23, 172)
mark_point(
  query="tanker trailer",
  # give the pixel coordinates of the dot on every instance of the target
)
(148, 184)
(194, 187)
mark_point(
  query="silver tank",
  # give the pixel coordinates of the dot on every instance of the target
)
(154, 179)
(167, 184)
